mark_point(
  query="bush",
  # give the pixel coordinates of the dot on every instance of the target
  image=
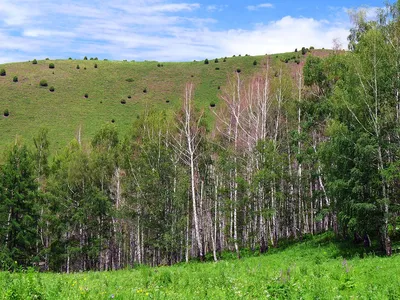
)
(166, 101)
(47, 58)
(2, 72)
(34, 62)
(78, 67)
(295, 50)
(86, 95)
(224, 60)
(69, 58)
(43, 82)
(91, 58)
(95, 66)
(238, 70)
(84, 68)
(51, 89)
(255, 63)
(216, 60)
(145, 90)
(219, 87)
(15, 79)
(206, 61)
(51, 66)
(303, 51)
(112, 121)
(96, 58)
(129, 80)
(158, 65)
(212, 104)
(123, 101)
(234, 55)
(312, 48)
(85, 58)
(217, 68)
(129, 97)
(297, 61)
(6, 113)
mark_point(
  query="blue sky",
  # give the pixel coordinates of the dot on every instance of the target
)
(167, 30)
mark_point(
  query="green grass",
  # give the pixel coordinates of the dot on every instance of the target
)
(314, 269)
(66, 109)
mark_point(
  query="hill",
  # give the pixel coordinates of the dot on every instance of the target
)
(318, 268)
(141, 85)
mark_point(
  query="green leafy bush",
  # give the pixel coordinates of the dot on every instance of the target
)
(129, 97)
(15, 79)
(206, 61)
(129, 80)
(2, 72)
(86, 95)
(123, 101)
(238, 70)
(51, 66)
(217, 68)
(255, 63)
(51, 89)
(85, 58)
(216, 61)
(78, 67)
(43, 83)
(6, 113)
(145, 90)
(212, 104)
(34, 62)
(95, 66)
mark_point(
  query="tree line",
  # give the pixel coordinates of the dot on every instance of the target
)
(291, 151)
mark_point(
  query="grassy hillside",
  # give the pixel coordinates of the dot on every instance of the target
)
(66, 109)
(316, 269)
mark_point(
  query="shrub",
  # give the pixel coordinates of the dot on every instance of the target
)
(43, 82)
(166, 101)
(295, 50)
(206, 61)
(129, 79)
(15, 79)
(85, 58)
(145, 90)
(312, 48)
(212, 104)
(78, 67)
(2, 72)
(217, 68)
(86, 95)
(219, 87)
(297, 61)
(238, 70)
(234, 55)
(158, 65)
(216, 60)
(69, 58)
(303, 51)
(286, 60)
(6, 113)
(84, 68)
(112, 121)
(224, 60)
(96, 58)
(192, 76)
(91, 58)
(129, 97)
(123, 101)
(240, 54)
(34, 62)
(51, 66)
(95, 66)
(47, 58)
(255, 63)
(51, 89)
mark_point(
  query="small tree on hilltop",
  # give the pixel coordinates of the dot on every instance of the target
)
(34, 62)
(206, 61)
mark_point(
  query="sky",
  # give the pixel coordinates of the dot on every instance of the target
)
(169, 30)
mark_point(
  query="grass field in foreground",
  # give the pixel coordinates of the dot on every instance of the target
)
(315, 269)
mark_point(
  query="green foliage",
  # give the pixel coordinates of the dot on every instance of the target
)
(206, 61)
(255, 63)
(51, 89)
(2, 72)
(15, 79)
(123, 101)
(43, 83)
(78, 67)
(34, 62)
(85, 58)
(6, 112)
(216, 61)
(86, 95)
(51, 66)
(95, 66)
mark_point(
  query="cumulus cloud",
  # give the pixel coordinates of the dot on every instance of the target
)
(259, 6)
(145, 30)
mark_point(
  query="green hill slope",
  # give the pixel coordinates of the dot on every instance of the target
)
(316, 269)
(66, 109)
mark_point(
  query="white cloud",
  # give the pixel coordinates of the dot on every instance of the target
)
(259, 6)
(146, 30)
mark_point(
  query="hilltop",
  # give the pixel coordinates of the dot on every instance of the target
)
(117, 91)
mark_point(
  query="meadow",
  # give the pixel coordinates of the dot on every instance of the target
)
(317, 268)
(117, 91)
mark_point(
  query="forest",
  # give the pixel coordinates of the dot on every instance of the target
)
(291, 152)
